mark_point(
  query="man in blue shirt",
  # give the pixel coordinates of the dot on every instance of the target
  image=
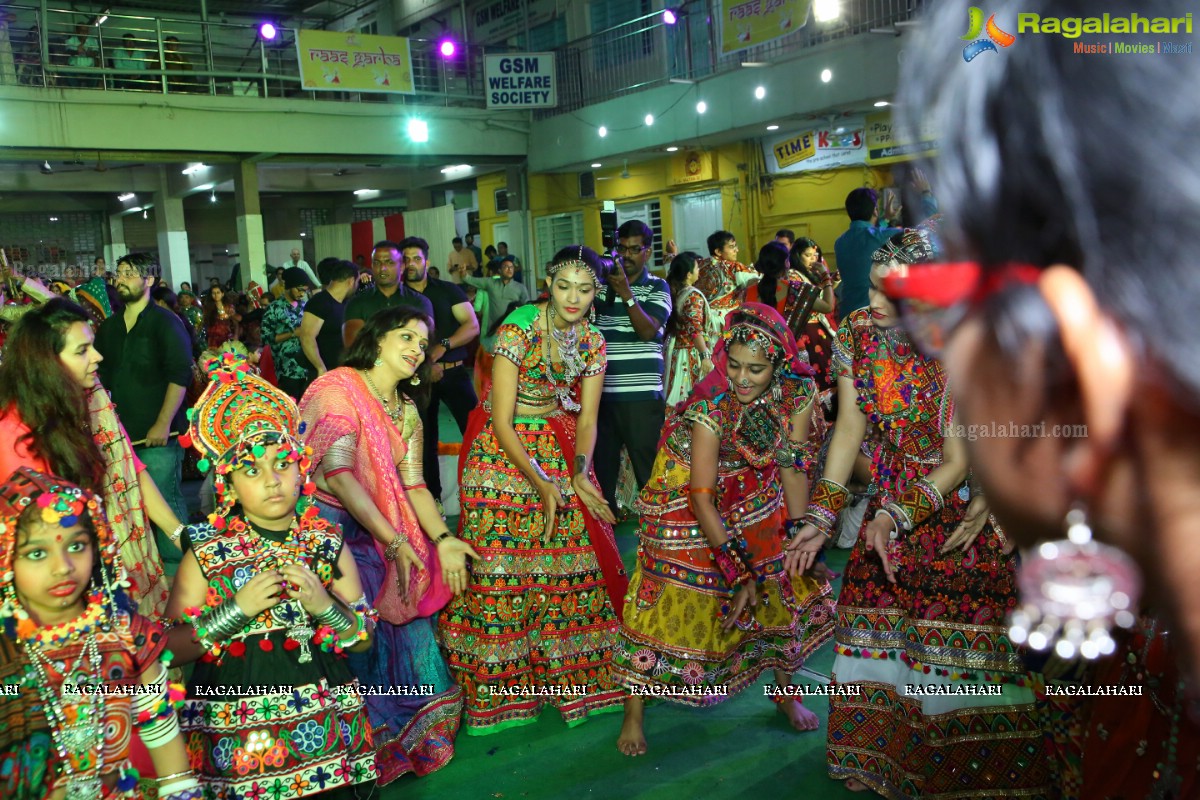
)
(631, 314)
(854, 247)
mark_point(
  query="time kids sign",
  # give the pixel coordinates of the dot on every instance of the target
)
(521, 80)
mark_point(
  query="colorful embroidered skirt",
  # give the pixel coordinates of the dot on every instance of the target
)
(946, 708)
(295, 742)
(683, 371)
(413, 702)
(671, 636)
(536, 626)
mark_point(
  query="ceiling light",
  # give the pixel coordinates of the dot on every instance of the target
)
(455, 168)
(145, 214)
(772, 127)
(418, 130)
(760, 92)
(882, 104)
(121, 198)
(701, 107)
(134, 209)
(649, 119)
(754, 64)
(205, 187)
(212, 198)
(670, 17)
(447, 48)
(603, 131)
(672, 149)
(193, 169)
(103, 18)
(54, 219)
(363, 191)
(303, 234)
(597, 165)
(268, 31)
(826, 10)
(826, 76)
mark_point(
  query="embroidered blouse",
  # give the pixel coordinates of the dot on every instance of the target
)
(521, 340)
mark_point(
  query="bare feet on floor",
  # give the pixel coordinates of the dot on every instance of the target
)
(632, 741)
(801, 718)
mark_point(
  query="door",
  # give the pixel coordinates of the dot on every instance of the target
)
(695, 216)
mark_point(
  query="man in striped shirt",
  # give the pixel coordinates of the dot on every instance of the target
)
(631, 315)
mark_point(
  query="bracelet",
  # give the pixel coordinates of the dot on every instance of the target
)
(537, 469)
(334, 618)
(446, 534)
(221, 623)
(999, 531)
(394, 547)
(692, 492)
(918, 502)
(182, 773)
(899, 520)
(175, 534)
(733, 562)
(828, 500)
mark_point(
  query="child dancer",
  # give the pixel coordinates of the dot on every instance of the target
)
(86, 666)
(273, 710)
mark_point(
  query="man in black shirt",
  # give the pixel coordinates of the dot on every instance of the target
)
(387, 291)
(455, 325)
(321, 327)
(147, 367)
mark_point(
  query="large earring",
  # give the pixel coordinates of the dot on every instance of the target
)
(1074, 591)
(379, 359)
(416, 380)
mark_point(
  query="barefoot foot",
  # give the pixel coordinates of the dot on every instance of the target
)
(801, 718)
(856, 786)
(632, 740)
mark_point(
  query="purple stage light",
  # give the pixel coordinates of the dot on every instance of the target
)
(268, 31)
(670, 17)
(447, 48)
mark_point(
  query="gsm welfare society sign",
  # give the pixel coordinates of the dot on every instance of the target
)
(521, 80)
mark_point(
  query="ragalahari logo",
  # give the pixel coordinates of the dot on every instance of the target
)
(975, 27)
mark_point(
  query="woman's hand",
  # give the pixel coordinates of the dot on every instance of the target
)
(552, 501)
(972, 523)
(878, 536)
(406, 560)
(307, 588)
(592, 499)
(260, 593)
(800, 552)
(745, 597)
(453, 553)
(706, 366)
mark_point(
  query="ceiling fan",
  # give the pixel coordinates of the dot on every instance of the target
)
(624, 173)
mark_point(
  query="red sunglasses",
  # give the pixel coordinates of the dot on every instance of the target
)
(935, 298)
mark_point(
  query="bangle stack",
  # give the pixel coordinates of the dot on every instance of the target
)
(179, 786)
(219, 624)
(828, 500)
(915, 504)
(335, 618)
(328, 637)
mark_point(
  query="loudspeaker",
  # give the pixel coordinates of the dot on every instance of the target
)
(608, 227)
(587, 185)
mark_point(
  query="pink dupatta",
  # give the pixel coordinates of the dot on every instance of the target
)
(338, 404)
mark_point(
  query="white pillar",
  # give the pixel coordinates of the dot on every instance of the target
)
(252, 249)
(173, 254)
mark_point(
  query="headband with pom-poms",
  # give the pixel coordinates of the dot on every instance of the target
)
(235, 420)
(58, 502)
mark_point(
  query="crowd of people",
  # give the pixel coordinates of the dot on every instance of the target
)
(338, 634)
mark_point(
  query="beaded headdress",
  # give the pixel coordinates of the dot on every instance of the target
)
(751, 324)
(58, 503)
(574, 263)
(917, 245)
(235, 420)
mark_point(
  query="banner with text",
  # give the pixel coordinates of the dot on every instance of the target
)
(885, 145)
(749, 23)
(520, 80)
(341, 61)
(498, 20)
(842, 145)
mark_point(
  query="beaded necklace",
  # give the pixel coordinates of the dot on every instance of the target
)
(395, 413)
(568, 352)
(908, 382)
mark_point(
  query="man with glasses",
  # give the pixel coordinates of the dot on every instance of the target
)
(631, 315)
(387, 289)
(147, 367)
(281, 332)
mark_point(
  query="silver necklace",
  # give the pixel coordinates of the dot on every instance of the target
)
(394, 413)
(572, 360)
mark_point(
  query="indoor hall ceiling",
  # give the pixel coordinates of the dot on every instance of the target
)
(277, 10)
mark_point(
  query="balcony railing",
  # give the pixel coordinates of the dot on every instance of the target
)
(191, 56)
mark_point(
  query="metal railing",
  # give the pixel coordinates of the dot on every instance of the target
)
(180, 56)
(190, 56)
(647, 52)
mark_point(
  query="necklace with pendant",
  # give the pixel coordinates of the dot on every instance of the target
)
(395, 413)
(567, 342)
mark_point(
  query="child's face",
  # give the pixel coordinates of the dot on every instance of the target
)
(52, 570)
(268, 489)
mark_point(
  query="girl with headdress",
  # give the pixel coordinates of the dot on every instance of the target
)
(85, 667)
(723, 279)
(364, 428)
(689, 337)
(928, 584)
(55, 417)
(710, 607)
(535, 621)
(270, 598)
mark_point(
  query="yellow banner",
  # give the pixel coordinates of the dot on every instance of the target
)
(749, 23)
(886, 146)
(796, 149)
(694, 166)
(341, 61)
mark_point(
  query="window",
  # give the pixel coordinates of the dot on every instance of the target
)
(51, 243)
(553, 233)
(312, 217)
(363, 214)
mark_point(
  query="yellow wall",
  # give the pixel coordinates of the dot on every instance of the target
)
(811, 204)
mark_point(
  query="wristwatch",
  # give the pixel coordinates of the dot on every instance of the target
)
(631, 301)
(445, 343)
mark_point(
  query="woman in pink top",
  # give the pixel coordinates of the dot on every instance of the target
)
(55, 417)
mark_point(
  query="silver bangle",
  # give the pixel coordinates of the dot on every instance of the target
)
(335, 618)
(175, 534)
(225, 620)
